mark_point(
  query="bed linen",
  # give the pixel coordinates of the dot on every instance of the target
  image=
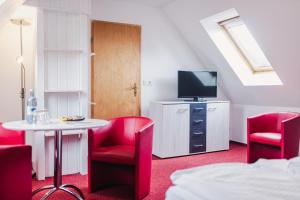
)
(263, 180)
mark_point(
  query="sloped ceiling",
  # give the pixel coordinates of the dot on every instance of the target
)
(274, 24)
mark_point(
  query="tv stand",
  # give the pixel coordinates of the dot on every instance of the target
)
(185, 128)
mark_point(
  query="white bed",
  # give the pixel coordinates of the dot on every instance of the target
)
(263, 180)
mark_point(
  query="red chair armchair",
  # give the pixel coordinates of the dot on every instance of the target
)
(121, 153)
(15, 166)
(273, 136)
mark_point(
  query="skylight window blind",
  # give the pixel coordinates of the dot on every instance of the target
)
(246, 44)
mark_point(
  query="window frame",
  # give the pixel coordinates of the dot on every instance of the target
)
(254, 69)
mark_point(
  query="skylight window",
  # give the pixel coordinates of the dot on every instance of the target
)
(246, 44)
(240, 49)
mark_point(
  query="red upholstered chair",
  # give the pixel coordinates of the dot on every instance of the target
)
(121, 153)
(15, 166)
(273, 136)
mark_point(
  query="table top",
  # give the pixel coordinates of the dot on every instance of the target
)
(55, 124)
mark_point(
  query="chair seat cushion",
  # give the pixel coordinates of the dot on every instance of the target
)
(119, 154)
(266, 138)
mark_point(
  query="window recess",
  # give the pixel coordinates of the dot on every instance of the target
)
(242, 39)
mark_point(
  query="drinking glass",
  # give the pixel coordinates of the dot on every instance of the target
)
(42, 117)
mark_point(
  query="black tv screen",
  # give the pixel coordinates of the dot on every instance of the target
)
(194, 84)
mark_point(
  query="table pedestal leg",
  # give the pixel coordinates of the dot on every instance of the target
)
(58, 159)
(58, 173)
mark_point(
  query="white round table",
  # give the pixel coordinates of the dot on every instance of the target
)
(57, 126)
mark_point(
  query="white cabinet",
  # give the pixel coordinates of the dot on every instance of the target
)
(183, 128)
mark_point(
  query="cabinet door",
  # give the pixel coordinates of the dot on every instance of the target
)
(176, 130)
(217, 133)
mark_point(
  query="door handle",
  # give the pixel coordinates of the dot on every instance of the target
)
(92, 103)
(134, 88)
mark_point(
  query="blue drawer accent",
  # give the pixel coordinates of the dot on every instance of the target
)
(197, 127)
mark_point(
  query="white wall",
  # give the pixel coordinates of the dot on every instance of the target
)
(239, 114)
(10, 104)
(164, 51)
(274, 24)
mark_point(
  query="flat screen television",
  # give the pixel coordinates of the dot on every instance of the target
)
(197, 84)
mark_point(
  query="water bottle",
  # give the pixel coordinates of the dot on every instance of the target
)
(31, 108)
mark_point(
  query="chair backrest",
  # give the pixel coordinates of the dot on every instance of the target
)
(10, 137)
(275, 120)
(124, 129)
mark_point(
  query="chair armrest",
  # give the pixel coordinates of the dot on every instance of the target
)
(290, 130)
(11, 137)
(15, 154)
(143, 143)
(143, 156)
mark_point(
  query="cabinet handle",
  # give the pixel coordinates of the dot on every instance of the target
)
(182, 110)
(198, 145)
(198, 121)
(198, 109)
(198, 133)
(212, 109)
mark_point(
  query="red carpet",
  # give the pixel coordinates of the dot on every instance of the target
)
(162, 169)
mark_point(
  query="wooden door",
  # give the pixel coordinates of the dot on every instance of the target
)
(115, 73)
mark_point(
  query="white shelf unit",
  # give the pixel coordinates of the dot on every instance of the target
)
(63, 53)
(62, 86)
